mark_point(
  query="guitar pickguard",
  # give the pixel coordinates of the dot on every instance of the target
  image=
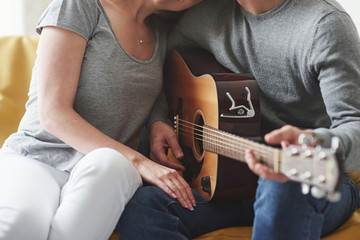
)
(191, 164)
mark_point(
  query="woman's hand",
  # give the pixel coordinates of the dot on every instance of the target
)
(169, 180)
(284, 136)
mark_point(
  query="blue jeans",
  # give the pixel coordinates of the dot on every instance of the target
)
(279, 211)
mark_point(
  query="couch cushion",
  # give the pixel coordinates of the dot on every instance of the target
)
(355, 176)
(16, 62)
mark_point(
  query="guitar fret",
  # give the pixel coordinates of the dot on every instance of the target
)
(232, 146)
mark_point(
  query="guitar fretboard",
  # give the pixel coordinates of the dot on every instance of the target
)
(234, 147)
(229, 145)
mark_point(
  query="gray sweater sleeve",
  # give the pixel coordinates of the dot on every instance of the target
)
(159, 111)
(335, 59)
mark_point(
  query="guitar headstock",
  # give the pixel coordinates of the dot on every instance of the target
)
(316, 168)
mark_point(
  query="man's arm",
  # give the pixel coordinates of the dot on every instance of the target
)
(335, 59)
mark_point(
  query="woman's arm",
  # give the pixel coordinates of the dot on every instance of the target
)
(60, 55)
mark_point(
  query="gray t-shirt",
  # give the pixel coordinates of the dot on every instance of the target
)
(116, 92)
(304, 54)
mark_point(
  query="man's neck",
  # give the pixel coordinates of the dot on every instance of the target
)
(258, 6)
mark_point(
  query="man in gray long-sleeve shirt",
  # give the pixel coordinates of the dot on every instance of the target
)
(305, 57)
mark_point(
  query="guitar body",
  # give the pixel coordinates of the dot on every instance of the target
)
(202, 92)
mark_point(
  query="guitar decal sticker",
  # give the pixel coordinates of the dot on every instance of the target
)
(240, 111)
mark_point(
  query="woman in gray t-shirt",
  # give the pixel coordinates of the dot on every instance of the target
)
(96, 82)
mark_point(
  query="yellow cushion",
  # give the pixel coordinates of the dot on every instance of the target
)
(351, 229)
(17, 57)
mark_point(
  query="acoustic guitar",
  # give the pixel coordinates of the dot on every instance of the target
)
(216, 115)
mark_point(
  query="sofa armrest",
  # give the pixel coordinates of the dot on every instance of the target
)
(17, 59)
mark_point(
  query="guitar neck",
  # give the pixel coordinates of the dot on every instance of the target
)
(232, 146)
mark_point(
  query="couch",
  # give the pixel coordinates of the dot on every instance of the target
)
(17, 56)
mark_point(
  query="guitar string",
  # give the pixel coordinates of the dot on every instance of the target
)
(198, 128)
(231, 152)
(236, 154)
(271, 165)
(221, 136)
(262, 153)
(215, 133)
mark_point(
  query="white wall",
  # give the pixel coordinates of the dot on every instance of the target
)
(20, 16)
(353, 8)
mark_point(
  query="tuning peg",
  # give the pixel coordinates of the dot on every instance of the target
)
(317, 193)
(335, 142)
(306, 140)
(305, 189)
(334, 197)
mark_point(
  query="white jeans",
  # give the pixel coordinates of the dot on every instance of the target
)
(38, 202)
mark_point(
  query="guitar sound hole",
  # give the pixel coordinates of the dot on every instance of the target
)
(198, 136)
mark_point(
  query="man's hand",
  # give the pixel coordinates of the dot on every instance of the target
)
(162, 137)
(284, 136)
